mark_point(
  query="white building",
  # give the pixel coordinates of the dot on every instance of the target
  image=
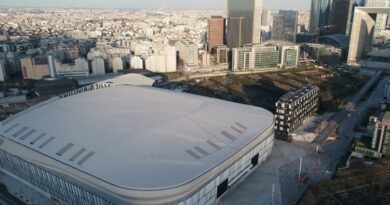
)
(136, 62)
(163, 61)
(98, 67)
(79, 68)
(85, 148)
(117, 64)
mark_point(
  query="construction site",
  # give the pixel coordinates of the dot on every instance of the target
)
(264, 89)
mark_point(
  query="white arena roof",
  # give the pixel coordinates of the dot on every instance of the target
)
(136, 137)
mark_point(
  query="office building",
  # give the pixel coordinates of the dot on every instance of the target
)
(98, 66)
(364, 29)
(377, 143)
(222, 54)
(250, 11)
(289, 56)
(265, 57)
(293, 109)
(324, 54)
(339, 15)
(320, 15)
(189, 55)
(284, 26)
(236, 32)
(184, 149)
(216, 32)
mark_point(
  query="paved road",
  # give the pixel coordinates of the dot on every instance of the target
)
(282, 167)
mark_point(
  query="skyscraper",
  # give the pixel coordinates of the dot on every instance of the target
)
(278, 25)
(320, 17)
(216, 31)
(236, 32)
(351, 11)
(250, 10)
(339, 15)
(284, 26)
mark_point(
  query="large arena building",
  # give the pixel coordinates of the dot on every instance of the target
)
(127, 144)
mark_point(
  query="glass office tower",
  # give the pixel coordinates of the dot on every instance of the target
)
(320, 14)
(251, 11)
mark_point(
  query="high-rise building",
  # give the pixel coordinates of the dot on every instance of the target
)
(216, 32)
(189, 54)
(284, 26)
(98, 67)
(236, 32)
(339, 15)
(265, 18)
(251, 11)
(278, 25)
(320, 14)
(351, 11)
(293, 109)
(367, 25)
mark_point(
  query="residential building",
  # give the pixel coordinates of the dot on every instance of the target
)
(136, 62)
(79, 68)
(293, 109)
(98, 67)
(117, 64)
(34, 68)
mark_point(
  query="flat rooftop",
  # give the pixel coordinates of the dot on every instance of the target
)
(138, 137)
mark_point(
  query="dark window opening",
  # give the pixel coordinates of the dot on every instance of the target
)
(222, 188)
(255, 160)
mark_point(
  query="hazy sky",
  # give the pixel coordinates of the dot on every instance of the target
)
(150, 4)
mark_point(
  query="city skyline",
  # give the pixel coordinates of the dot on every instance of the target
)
(149, 4)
